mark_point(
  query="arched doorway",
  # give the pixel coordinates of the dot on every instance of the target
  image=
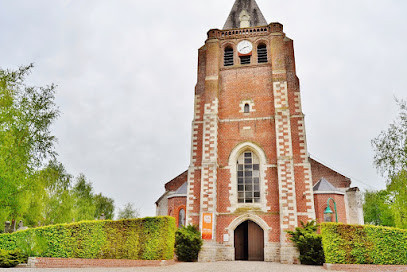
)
(249, 242)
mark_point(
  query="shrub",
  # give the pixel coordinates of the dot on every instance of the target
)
(188, 243)
(309, 243)
(11, 258)
(138, 239)
(355, 244)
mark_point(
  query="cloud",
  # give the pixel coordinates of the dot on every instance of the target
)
(126, 72)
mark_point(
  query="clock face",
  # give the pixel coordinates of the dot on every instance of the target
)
(244, 47)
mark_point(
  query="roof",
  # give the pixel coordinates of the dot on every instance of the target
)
(245, 9)
(181, 192)
(325, 186)
(176, 182)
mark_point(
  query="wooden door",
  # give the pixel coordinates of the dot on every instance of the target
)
(255, 242)
(241, 240)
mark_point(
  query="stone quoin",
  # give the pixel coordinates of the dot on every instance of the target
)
(250, 177)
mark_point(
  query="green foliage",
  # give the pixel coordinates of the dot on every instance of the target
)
(26, 114)
(138, 239)
(59, 200)
(391, 160)
(85, 207)
(355, 244)
(377, 208)
(128, 212)
(309, 243)
(11, 258)
(391, 146)
(32, 245)
(398, 192)
(188, 243)
(388, 207)
(104, 205)
(34, 187)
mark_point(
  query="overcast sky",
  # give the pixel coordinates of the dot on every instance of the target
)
(126, 71)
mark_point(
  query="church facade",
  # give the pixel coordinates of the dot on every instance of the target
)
(250, 177)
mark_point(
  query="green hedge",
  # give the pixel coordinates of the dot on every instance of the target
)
(11, 258)
(150, 238)
(355, 244)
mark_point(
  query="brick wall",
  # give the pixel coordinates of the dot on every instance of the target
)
(321, 204)
(321, 171)
(274, 130)
(84, 263)
(366, 267)
(175, 204)
(175, 183)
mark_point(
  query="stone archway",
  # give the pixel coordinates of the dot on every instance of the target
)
(249, 242)
(238, 222)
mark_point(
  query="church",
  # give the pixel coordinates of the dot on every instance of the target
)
(250, 177)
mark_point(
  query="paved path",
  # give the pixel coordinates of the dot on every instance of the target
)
(193, 267)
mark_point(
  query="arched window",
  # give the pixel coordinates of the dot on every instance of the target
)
(246, 108)
(228, 56)
(248, 178)
(181, 218)
(262, 53)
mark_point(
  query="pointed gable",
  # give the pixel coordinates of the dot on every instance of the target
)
(245, 13)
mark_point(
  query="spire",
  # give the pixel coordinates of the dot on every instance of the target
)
(245, 13)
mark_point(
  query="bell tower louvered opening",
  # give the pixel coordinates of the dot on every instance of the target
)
(228, 56)
(262, 53)
(245, 60)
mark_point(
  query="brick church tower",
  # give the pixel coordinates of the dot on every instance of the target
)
(249, 178)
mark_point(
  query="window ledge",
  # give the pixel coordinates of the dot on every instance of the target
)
(249, 205)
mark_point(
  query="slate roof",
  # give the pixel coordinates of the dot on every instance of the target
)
(325, 186)
(256, 16)
(182, 190)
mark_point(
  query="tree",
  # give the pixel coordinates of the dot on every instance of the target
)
(34, 186)
(398, 192)
(391, 146)
(128, 212)
(85, 207)
(59, 201)
(26, 114)
(377, 208)
(104, 205)
(391, 161)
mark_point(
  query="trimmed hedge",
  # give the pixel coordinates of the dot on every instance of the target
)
(150, 238)
(356, 244)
